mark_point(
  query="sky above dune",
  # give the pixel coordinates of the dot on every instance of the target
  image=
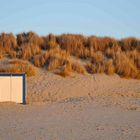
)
(116, 18)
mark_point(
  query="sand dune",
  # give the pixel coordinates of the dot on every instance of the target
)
(47, 86)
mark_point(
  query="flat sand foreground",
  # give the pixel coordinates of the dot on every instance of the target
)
(82, 107)
(73, 119)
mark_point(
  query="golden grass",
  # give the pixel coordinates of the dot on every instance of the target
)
(79, 68)
(1, 55)
(7, 41)
(52, 58)
(74, 44)
(129, 43)
(12, 54)
(109, 67)
(29, 38)
(16, 66)
(125, 66)
(104, 54)
(71, 67)
(28, 51)
(66, 70)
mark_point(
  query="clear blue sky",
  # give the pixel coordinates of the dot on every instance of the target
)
(116, 18)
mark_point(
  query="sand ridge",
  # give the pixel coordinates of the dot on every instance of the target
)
(47, 86)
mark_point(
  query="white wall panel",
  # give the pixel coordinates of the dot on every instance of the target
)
(12, 88)
(17, 89)
(5, 89)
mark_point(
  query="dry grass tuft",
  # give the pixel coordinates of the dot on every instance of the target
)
(66, 70)
(12, 54)
(57, 58)
(71, 67)
(7, 42)
(50, 42)
(79, 68)
(29, 38)
(130, 43)
(100, 64)
(17, 66)
(52, 59)
(1, 55)
(125, 67)
(74, 44)
(28, 51)
(109, 67)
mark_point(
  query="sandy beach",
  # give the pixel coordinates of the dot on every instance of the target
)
(70, 70)
(74, 119)
(84, 107)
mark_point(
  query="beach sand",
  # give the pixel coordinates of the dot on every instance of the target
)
(80, 107)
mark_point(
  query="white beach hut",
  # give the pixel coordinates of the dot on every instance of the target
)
(13, 88)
